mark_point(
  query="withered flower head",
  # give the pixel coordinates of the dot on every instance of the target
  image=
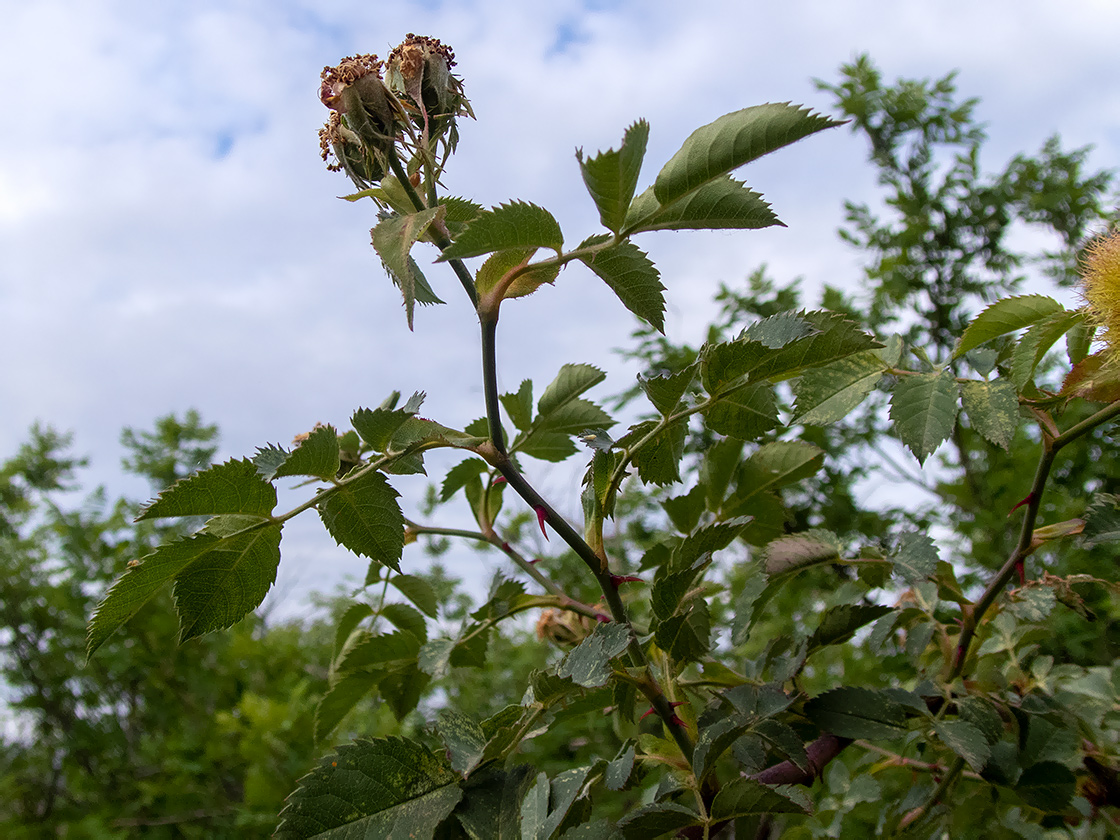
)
(336, 79)
(1100, 284)
(420, 67)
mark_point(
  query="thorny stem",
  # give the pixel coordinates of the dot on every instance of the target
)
(938, 795)
(1051, 445)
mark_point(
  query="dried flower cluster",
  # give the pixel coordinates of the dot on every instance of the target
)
(1100, 272)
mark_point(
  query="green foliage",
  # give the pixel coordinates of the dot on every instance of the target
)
(704, 651)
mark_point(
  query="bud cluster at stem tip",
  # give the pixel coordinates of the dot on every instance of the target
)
(1100, 285)
(406, 107)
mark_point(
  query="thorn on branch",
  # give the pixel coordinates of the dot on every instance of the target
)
(540, 520)
(1026, 501)
(617, 580)
(501, 479)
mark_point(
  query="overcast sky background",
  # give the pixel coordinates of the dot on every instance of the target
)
(169, 237)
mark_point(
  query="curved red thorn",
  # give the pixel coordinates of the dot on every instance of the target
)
(1021, 568)
(506, 548)
(603, 619)
(535, 560)
(620, 579)
(677, 721)
(501, 479)
(647, 714)
(1026, 501)
(540, 520)
(678, 703)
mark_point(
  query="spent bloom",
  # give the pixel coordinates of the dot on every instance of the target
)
(1100, 285)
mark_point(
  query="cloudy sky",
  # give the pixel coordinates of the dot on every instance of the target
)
(169, 237)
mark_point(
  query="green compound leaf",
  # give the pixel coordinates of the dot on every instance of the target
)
(746, 797)
(924, 409)
(393, 239)
(1005, 316)
(514, 225)
(1048, 786)
(611, 177)
(721, 204)
(589, 663)
(631, 276)
(340, 698)
(777, 464)
(965, 740)
(731, 141)
(992, 408)
(499, 264)
(744, 414)
(220, 586)
(916, 558)
(665, 389)
(364, 517)
(659, 460)
(831, 393)
(519, 406)
(491, 806)
(377, 426)
(372, 788)
(838, 624)
(317, 455)
(857, 713)
(232, 487)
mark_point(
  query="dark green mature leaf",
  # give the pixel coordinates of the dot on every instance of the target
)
(916, 558)
(924, 410)
(366, 649)
(659, 460)
(857, 713)
(573, 418)
(232, 487)
(707, 539)
(406, 618)
(965, 740)
(459, 476)
(418, 591)
(598, 830)
(519, 406)
(340, 698)
(783, 739)
(774, 465)
(631, 276)
(570, 382)
(589, 663)
(1048, 786)
(611, 176)
(731, 141)
(547, 446)
(992, 409)
(384, 788)
(745, 797)
(839, 623)
(565, 789)
(665, 389)
(378, 425)
(686, 637)
(712, 741)
(219, 587)
(364, 517)
(831, 393)
(721, 204)
(1005, 316)
(745, 414)
(393, 238)
(1038, 340)
(514, 225)
(652, 821)
(464, 739)
(402, 689)
(620, 768)
(317, 455)
(491, 806)
(798, 551)
(776, 331)
(1102, 520)
(354, 615)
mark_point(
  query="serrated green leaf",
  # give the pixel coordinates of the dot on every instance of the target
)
(850, 712)
(434, 658)
(1005, 316)
(514, 225)
(402, 689)
(1102, 520)
(652, 821)
(658, 461)
(406, 618)
(317, 455)
(501, 263)
(982, 715)
(491, 806)
(744, 414)
(418, 591)
(684, 511)
(385, 788)
(354, 615)
(686, 637)
(570, 382)
(916, 558)
(547, 446)
(620, 768)
(340, 698)
(565, 789)
(611, 177)
(364, 517)
(632, 276)
(232, 487)
(720, 204)
(393, 238)
(783, 739)
(746, 797)
(992, 408)
(572, 418)
(519, 406)
(831, 393)
(459, 475)
(365, 649)
(713, 740)
(965, 740)
(463, 738)
(458, 212)
(1078, 341)
(1037, 341)
(1048, 786)
(378, 425)
(731, 141)
(798, 551)
(839, 623)
(777, 464)
(924, 410)
(589, 663)
(665, 389)
(220, 586)
(776, 331)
